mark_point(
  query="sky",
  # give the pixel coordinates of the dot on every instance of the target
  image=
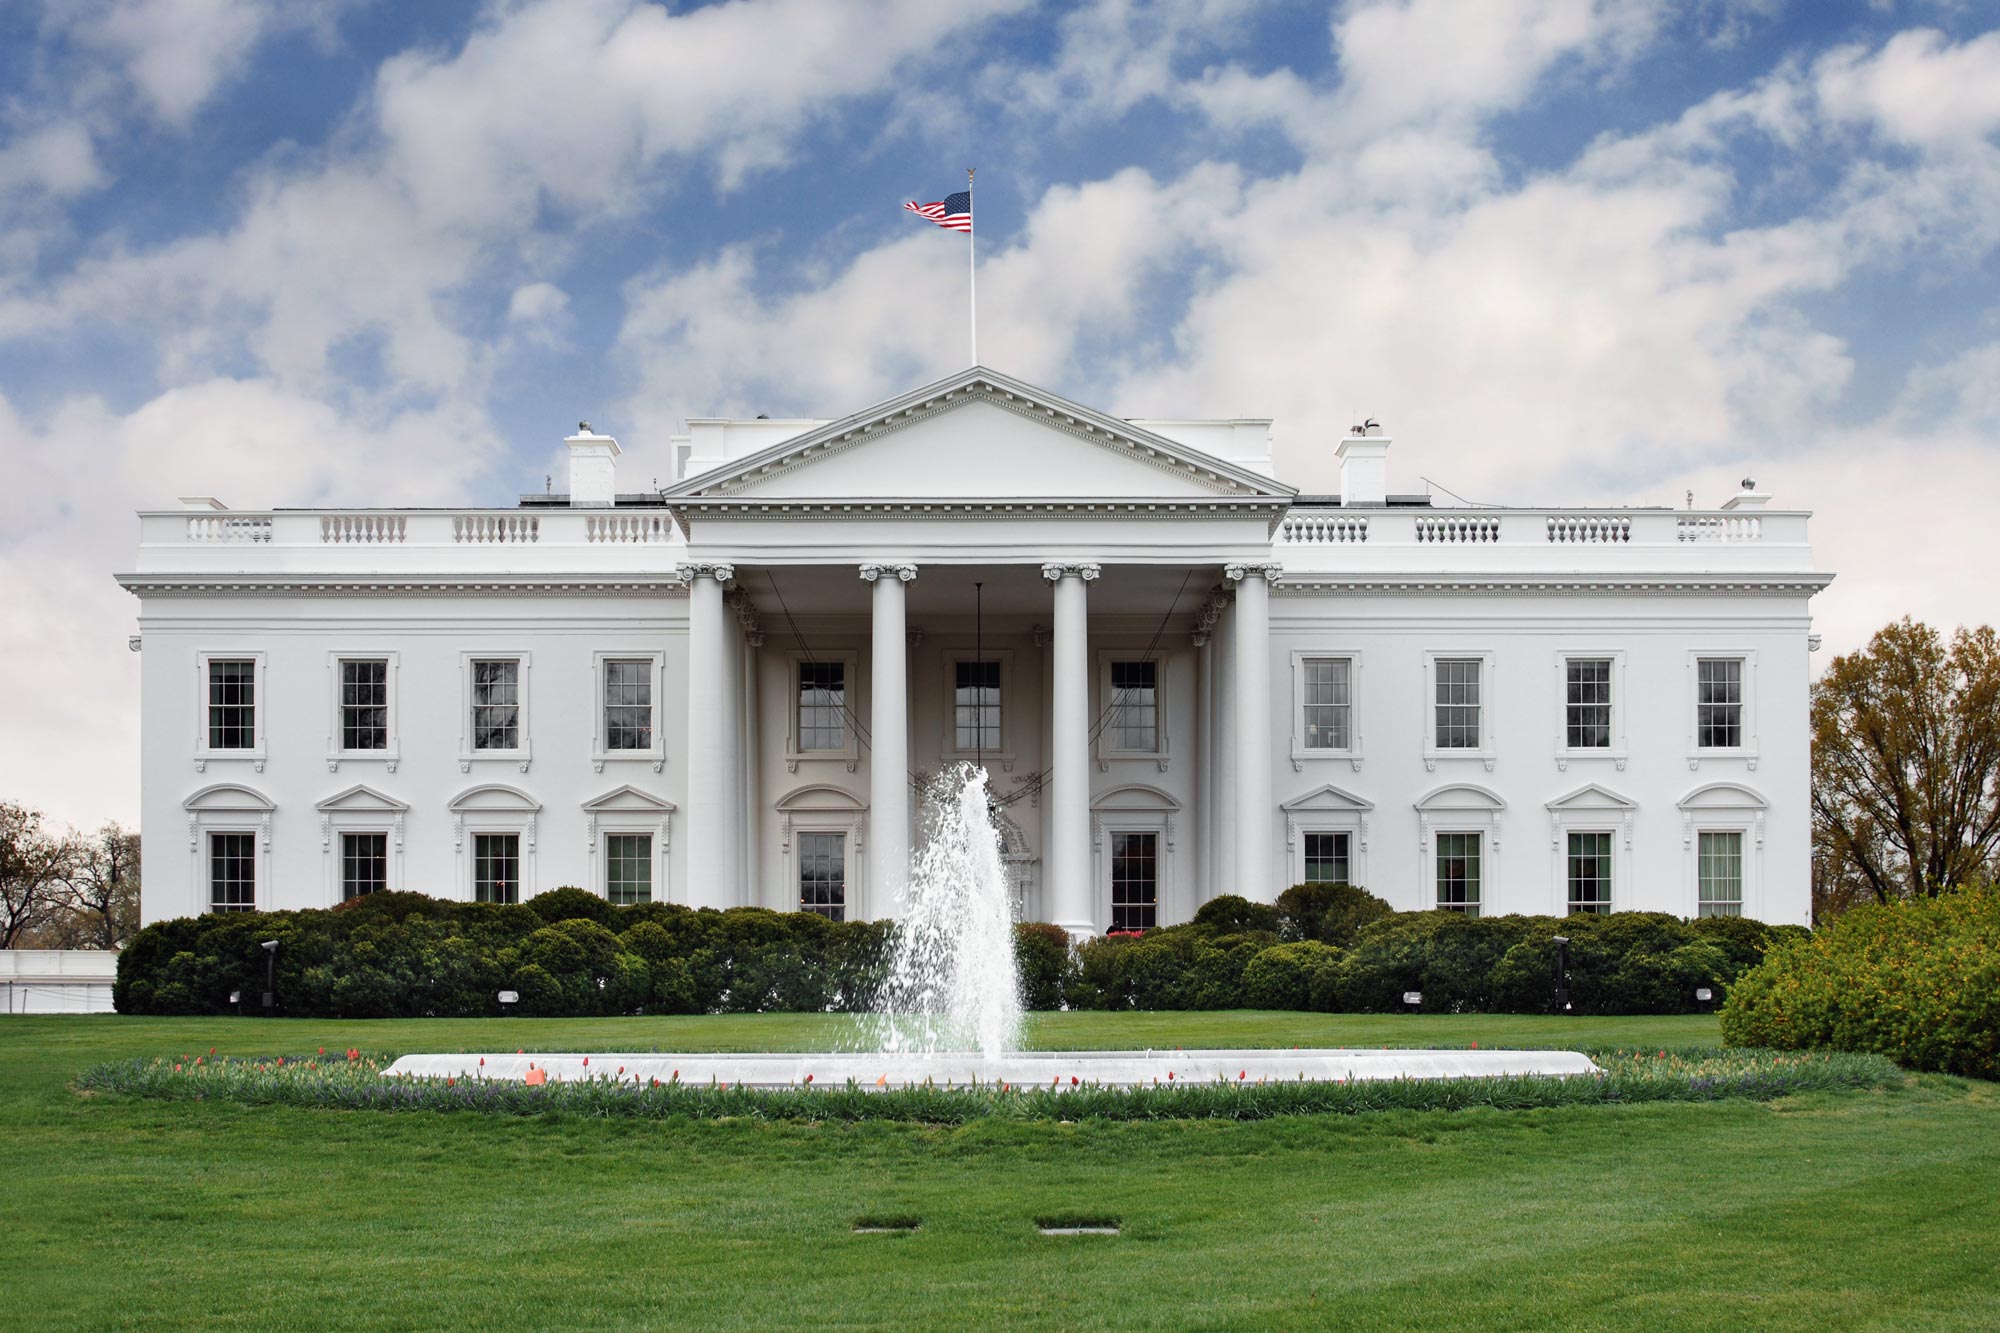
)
(343, 252)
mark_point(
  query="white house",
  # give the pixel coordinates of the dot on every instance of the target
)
(1184, 678)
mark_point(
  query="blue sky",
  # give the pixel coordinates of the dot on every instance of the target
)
(1569, 250)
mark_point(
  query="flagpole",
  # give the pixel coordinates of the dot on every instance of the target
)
(971, 267)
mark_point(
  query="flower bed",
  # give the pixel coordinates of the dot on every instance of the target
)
(353, 1080)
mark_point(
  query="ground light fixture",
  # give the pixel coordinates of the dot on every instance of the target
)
(510, 997)
(1562, 973)
(270, 948)
(1414, 999)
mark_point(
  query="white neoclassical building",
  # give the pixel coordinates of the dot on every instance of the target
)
(1184, 677)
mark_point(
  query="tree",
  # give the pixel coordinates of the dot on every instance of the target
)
(34, 870)
(101, 900)
(1906, 764)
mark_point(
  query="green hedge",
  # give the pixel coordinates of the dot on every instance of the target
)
(570, 953)
(1916, 981)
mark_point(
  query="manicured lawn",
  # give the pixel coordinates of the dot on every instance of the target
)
(1847, 1210)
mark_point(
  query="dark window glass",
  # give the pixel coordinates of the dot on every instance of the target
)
(1590, 872)
(1328, 703)
(822, 701)
(496, 867)
(976, 705)
(496, 705)
(1326, 858)
(232, 705)
(628, 705)
(1135, 706)
(364, 705)
(1458, 872)
(232, 872)
(1457, 703)
(1587, 704)
(1718, 716)
(1720, 887)
(364, 863)
(628, 868)
(1135, 880)
(823, 874)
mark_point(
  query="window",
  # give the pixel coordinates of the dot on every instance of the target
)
(496, 867)
(1719, 891)
(1135, 880)
(628, 868)
(628, 704)
(1458, 872)
(976, 705)
(232, 872)
(822, 701)
(1590, 872)
(1458, 703)
(823, 874)
(364, 704)
(1328, 705)
(364, 863)
(496, 705)
(1718, 714)
(1135, 707)
(1326, 859)
(1587, 703)
(232, 703)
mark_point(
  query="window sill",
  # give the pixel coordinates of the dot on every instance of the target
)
(1695, 757)
(390, 758)
(1432, 756)
(1301, 756)
(599, 758)
(793, 758)
(203, 758)
(1566, 757)
(519, 758)
(1006, 759)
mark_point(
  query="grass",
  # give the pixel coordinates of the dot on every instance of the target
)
(1859, 1209)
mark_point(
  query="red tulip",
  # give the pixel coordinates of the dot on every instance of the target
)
(1242, 1074)
(1170, 1076)
(1072, 1080)
(451, 1083)
(322, 1051)
(281, 1059)
(586, 1062)
(1475, 1045)
(211, 1050)
(621, 1069)
(482, 1062)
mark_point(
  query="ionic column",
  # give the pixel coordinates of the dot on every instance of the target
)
(1252, 681)
(889, 751)
(1069, 896)
(711, 831)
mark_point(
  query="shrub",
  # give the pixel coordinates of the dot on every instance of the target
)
(1280, 977)
(1234, 915)
(1043, 958)
(1917, 981)
(1330, 913)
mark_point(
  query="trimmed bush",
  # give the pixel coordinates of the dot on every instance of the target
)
(1047, 964)
(1330, 913)
(1918, 982)
(1231, 914)
(1281, 976)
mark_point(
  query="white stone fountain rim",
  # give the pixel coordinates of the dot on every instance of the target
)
(1025, 1069)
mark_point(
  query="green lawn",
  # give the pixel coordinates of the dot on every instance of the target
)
(1850, 1210)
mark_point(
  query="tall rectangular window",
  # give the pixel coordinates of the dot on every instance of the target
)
(364, 863)
(1458, 872)
(1718, 705)
(1135, 880)
(364, 704)
(822, 701)
(496, 867)
(823, 874)
(628, 704)
(1458, 703)
(496, 705)
(232, 872)
(628, 868)
(1328, 703)
(1590, 872)
(976, 705)
(1326, 858)
(232, 704)
(1587, 703)
(1720, 871)
(1135, 706)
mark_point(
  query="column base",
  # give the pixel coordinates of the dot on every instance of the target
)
(1079, 931)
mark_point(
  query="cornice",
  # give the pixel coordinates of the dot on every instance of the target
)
(196, 585)
(1309, 585)
(1054, 507)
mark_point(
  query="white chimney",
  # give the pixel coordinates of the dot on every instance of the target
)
(1747, 498)
(593, 471)
(1364, 467)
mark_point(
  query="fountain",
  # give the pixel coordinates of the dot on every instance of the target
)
(950, 1008)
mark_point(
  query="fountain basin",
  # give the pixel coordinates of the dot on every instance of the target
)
(1027, 1069)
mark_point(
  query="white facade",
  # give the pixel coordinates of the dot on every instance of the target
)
(1206, 683)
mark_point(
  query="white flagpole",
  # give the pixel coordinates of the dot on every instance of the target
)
(972, 268)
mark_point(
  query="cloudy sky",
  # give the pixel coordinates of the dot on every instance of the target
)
(297, 253)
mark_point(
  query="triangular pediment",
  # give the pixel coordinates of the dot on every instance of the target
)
(361, 797)
(1590, 796)
(980, 435)
(629, 798)
(1327, 798)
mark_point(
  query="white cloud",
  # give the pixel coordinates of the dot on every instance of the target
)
(55, 161)
(1919, 87)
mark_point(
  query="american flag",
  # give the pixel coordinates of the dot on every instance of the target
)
(954, 213)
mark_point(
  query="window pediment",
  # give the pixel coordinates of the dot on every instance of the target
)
(1461, 796)
(1722, 796)
(629, 798)
(361, 797)
(820, 796)
(1590, 796)
(1326, 799)
(228, 796)
(1135, 796)
(493, 796)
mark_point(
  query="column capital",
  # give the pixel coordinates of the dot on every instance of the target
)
(1236, 573)
(1054, 570)
(721, 573)
(1208, 614)
(902, 570)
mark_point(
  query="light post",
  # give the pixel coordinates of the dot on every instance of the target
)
(1562, 973)
(270, 978)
